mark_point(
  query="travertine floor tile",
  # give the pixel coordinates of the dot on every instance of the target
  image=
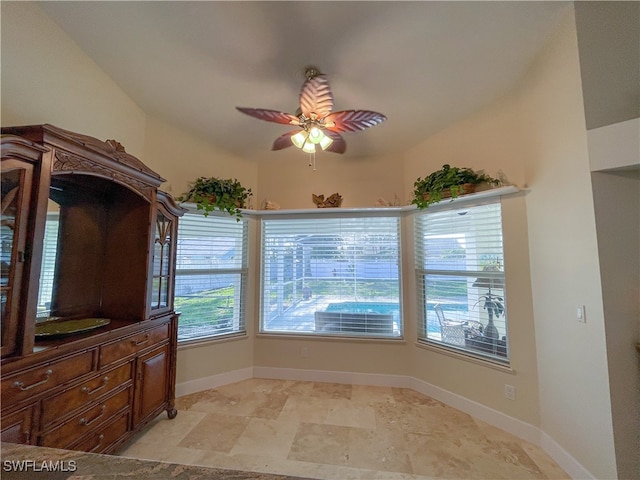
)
(321, 444)
(364, 394)
(163, 453)
(550, 468)
(349, 414)
(170, 432)
(269, 438)
(215, 432)
(384, 450)
(331, 390)
(313, 410)
(335, 431)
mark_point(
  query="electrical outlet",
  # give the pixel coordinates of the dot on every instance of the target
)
(304, 352)
(509, 392)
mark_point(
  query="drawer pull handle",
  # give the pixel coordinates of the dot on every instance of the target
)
(88, 391)
(141, 342)
(86, 423)
(100, 439)
(21, 386)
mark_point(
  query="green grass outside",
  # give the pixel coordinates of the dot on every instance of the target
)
(211, 307)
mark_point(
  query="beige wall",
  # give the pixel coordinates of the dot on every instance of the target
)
(490, 140)
(536, 136)
(46, 78)
(617, 204)
(289, 181)
(181, 157)
(575, 408)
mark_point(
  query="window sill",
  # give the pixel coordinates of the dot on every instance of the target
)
(205, 341)
(466, 357)
(330, 338)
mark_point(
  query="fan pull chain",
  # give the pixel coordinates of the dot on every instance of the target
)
(312, 160)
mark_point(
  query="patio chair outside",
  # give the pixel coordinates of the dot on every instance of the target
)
(453, 332)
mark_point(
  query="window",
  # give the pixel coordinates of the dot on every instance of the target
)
(48, 267)
(211, 275)
(331, 276)
(460, 280)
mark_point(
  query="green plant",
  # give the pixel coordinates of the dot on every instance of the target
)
(216, 193)
(448, 181)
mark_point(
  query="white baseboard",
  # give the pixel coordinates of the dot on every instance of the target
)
(193, 386)
(353, 378)
(564, 458)
(493, 417)
(516, 427)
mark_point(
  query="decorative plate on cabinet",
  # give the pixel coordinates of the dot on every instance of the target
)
(53, 327)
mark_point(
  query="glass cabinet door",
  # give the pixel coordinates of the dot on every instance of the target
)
(161, 294)
(16, 188)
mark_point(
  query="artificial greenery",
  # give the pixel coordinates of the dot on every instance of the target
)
(448, 181)
(215, 193)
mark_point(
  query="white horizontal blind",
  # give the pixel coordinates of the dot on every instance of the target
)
(211, 276)
(460, 280)
(48, 267)
(331, 276)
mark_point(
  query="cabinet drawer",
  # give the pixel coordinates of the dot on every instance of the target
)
(86, 421)
(100, 439)
(81, 395)
(28, 383)
(16, 428)
(131, 345)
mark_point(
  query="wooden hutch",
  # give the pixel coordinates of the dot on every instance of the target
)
(87, 238)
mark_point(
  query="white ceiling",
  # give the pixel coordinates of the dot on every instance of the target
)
(423, 64)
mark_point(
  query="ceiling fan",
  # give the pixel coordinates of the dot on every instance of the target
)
(318, 125)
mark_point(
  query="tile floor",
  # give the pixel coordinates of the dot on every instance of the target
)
(336, 432)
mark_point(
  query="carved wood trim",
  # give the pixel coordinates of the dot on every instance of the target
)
(111, 148)
(67, 162)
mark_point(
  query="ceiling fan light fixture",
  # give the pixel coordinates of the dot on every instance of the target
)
(315, 135)
(309, 147)
(325, 142)
(299, 139)
(318, 123)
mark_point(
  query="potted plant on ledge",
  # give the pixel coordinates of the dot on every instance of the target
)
(448, 182)
(215, 193)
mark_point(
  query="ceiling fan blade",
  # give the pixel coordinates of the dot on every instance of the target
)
(353, 120)
(316, 99)
(338, 145)
(270, 115)
(283, 141)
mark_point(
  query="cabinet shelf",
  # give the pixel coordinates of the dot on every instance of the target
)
(81, 221)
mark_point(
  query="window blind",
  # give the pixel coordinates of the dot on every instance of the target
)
(459, 267)
(331, 276)
(211, 276)
(48, 267)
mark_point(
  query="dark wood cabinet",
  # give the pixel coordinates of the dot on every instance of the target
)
(86, 234)
(16, 427)
(152, 367)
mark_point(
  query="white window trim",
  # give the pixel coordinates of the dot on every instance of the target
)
(402, 211)
(464, 354)
(230, 336)
(391, 212)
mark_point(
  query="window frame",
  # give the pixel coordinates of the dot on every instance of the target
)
(242, 271)
(474, 346)
(398, 334)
